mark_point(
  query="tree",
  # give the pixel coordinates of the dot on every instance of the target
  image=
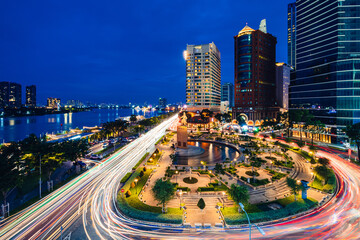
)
(219, 169)
(239, 194)
(10, 170)
(218, 116)
(241, 120)
(314, 127)
(323, 161)
(163, 191)
(323, 172)
(353, 132)
(283, 120)
(201, 204)
(292, 184)
(255, 163)
(133, 118)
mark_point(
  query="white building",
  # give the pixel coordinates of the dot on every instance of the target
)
(203, 77)
(282, 85)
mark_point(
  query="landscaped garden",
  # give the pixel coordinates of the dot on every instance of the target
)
(130, 204)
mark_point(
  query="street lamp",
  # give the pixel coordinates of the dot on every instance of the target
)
(210, 176)
(258, 228)
(136, 180)
(176, 175)
(180, 193)
(223, 193)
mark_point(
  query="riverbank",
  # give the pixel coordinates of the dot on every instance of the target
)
(18, 128)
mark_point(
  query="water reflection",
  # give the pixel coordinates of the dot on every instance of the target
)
(214, 153)
(14, 129)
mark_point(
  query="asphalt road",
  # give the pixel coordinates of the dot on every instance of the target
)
(86, 207)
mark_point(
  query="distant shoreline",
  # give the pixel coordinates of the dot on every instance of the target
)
(27, 112)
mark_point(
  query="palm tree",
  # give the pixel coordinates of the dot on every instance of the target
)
(353, 132)
(292, 184)
(10, 171)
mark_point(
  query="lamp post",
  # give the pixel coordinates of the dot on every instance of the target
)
(180, 193)
(210, 176)
(136, 180)
(247, 216)
(223, 193)
(176, 173)
(40, 178)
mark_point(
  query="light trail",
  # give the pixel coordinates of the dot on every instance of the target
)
(91, 200)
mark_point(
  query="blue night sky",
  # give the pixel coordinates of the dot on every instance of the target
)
(122, 51)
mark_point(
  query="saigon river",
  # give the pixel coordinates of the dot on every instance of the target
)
(18, 128)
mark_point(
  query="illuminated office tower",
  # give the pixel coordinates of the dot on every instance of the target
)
(203, 77)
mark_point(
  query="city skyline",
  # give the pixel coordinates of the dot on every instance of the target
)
(50, 58)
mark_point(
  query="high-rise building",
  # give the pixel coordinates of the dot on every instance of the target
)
(53, 103)
(10, 95)
(203, 76)
(327, 69)
(255, 75)
(227, 93)
(291, 34)
(282, 85)
(4, 94)
(30, 96)
(74, 103)
(15, 95)
(162, 103)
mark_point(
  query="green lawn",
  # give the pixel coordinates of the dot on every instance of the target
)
(290, 207)
(329, 187)
(133, 207)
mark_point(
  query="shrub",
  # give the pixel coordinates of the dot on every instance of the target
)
(189, 180)
(144, 169)
(128, 193)
(201, 204)
(132, 185)
(206, 189)
(254, 173)
(141, 174)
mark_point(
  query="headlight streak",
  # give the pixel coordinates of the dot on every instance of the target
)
(92, 197)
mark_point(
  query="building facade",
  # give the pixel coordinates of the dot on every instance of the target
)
(203, 76)
(291, 22)
(162, 103)
(30, 96)
(10, 95)
(327, 69)
(4, 94)
(53, 103)
(282, 85)
(255, 75)
(227, 93)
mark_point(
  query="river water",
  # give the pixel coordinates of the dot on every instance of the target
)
(18, 128)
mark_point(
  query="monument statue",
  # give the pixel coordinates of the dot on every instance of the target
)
(183, 120)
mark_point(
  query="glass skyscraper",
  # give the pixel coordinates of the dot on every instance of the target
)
(326, 79)
(292, 34)
(227, 93)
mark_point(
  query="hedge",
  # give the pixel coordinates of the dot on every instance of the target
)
(126, 177)
(291, 209)
(140, 161)
(206, 189)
